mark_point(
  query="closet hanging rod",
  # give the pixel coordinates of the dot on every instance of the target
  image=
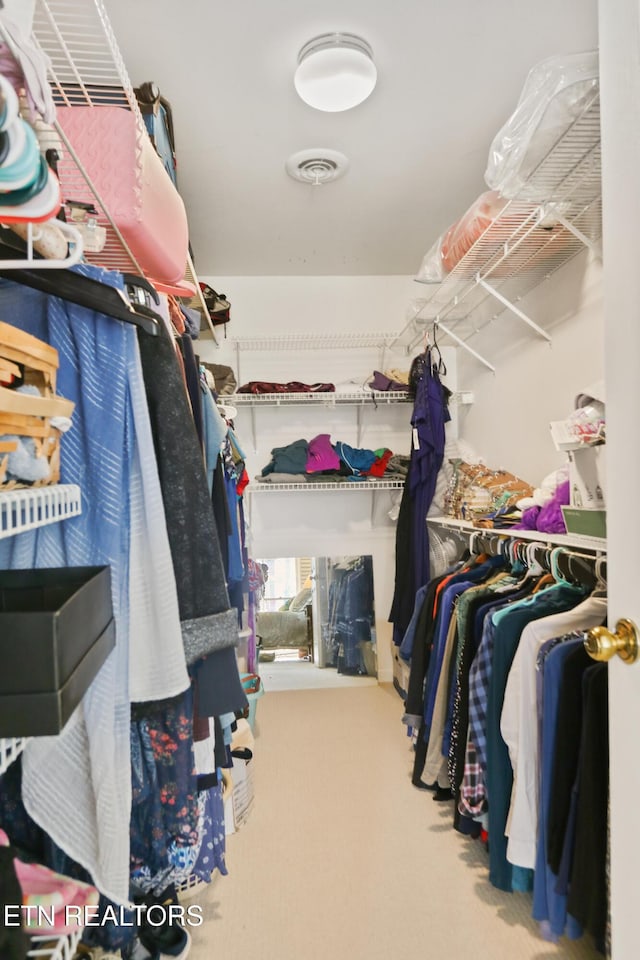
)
(562, 562)
(595, 545)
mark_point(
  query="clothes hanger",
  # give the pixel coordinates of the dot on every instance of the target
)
(84, 291)
(554, 565)
(536, 570)
(441, 366)
(582, 570)
(133, 280)
(227, 411)
(573, 568)
(600, 589)
(534, 567)
(473, 543)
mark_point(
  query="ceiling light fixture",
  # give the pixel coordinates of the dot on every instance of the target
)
(335, 72)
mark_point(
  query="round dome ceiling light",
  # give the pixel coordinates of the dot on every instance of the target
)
(335, 72)
(317, 166)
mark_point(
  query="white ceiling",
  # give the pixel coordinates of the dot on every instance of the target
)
(449, 75)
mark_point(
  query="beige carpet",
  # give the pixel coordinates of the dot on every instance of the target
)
(342, 859)
(294, 674)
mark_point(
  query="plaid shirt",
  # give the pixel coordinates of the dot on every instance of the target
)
(467, 637)
(479, 677)
(472, 801)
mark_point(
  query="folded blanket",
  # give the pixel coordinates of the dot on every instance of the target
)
(290, 459)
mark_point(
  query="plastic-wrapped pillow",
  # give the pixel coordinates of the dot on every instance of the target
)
(451, 247)
(555, 93)
(460, 237)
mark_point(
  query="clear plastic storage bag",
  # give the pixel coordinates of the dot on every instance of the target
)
(431, 269)
(555, 93)
(451, 247)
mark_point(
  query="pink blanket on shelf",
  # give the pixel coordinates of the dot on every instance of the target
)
(134, 186)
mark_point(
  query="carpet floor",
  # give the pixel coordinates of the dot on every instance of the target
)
(294, 674)
(342, 859)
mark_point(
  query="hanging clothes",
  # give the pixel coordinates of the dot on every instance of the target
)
(518, 723)
(430, 413)
(350, 614)
(500, 677)
(202, 594)
(77, 785)
(550, 906)
(588, 890)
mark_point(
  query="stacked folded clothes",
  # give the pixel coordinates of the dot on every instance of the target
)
(320, 460)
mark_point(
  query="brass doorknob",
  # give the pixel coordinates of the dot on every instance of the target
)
(602, 645)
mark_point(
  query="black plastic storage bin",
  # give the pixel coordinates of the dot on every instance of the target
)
(56, 631)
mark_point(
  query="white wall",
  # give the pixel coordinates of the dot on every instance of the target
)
(321, 524)
(271, 305)
(534, 382)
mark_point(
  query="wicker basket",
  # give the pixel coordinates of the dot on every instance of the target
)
(35, 363)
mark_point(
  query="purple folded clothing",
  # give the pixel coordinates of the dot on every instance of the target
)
(550, 519)
(547, 519)
(321, 455)
(529, 519)
(384, 383)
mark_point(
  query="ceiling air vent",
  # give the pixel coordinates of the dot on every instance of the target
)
(317, 166)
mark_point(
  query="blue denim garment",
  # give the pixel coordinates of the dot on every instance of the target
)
(406, 647)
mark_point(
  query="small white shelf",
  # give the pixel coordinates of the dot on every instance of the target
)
(10, 749)
(54, 948)
(319, 486)
(26, 509)
(337, 398)
(594, 544)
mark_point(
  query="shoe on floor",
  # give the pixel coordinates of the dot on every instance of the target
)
(442, 794)
(169, 942)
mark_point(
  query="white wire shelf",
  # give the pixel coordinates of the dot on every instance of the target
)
(87, 69)
(594, 544)
(10, 750)
(556, 215)
(321, 486)
(22, 510)
(337, 398)
(314, 341)
(54, 948)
